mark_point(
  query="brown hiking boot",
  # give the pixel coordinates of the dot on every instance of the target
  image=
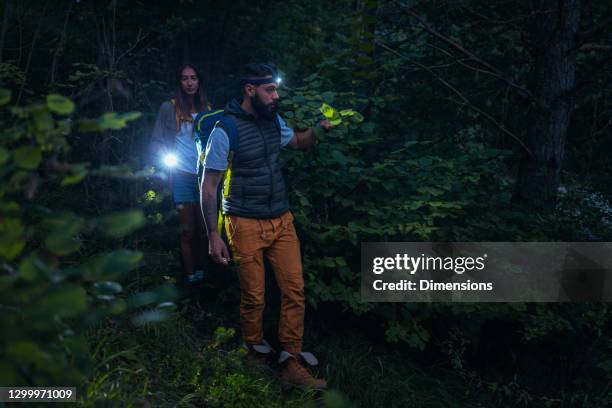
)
(294, 372)
(260, 354)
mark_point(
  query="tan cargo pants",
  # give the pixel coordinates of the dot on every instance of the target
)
(250, 240)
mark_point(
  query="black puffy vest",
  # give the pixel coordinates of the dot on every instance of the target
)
(257, 188)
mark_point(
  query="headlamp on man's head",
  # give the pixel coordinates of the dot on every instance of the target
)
(272, 77)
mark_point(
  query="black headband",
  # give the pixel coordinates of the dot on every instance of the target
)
(259, 81)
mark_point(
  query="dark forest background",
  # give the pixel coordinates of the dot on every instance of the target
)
(470, 121)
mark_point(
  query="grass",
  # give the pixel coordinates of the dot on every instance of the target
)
(189, 362)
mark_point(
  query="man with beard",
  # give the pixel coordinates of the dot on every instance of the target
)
(257, 219)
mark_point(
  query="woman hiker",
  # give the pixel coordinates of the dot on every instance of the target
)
(174, 145)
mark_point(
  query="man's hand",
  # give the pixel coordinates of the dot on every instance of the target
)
(326, 125)
(217, 249)
(304, 140)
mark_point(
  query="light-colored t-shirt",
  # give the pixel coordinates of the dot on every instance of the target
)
(217, 148)
(185, 148)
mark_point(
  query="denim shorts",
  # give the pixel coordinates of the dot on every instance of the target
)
(185, 187)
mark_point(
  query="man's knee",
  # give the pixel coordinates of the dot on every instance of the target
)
(294, 293)
(252, 301)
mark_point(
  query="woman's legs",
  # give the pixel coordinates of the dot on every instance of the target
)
(186, 196)
(186, 222)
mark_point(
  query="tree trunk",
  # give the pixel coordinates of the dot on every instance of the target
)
(553, 32)
(60, 45)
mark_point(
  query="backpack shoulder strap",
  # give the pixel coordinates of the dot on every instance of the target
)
(202, 116)
(228, 124)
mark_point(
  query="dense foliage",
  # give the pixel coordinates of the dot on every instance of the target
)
(434, 105)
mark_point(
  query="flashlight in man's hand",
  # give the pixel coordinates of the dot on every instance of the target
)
(170, 160)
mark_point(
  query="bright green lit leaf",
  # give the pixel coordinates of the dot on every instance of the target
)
(328, 111)
(60, 104)
(27, 157)
(150, 195)
(110, 120)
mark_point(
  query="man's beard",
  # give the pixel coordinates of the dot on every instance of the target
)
(263, 110)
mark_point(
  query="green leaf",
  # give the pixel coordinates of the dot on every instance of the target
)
(122, 223)
(65, 301)
(339, 157)
(27, 352)
(8, 374)
(11, 238)
(43, 119)
(62, 238)
(29, 268)
(78, 173)
(112, 265)
(89, 125)
(5, 96)
(130, 116)
(60, 104)
(5, 155)
(328, 111)
(367, 127)
(356, 116)
(107, 288)
(110, 120)
(117, 306)
(328, 96)
(170, 306)
(27, 157)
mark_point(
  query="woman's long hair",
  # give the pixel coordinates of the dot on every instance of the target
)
(182, 105)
